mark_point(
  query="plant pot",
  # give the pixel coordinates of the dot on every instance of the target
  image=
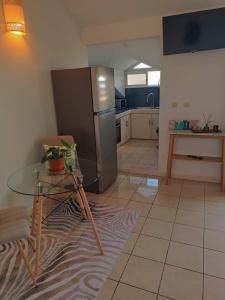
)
(206, 128)
(56, 165)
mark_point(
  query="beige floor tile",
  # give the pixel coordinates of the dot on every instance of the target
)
(144, 194)
(129, 245)
(124, 292)
(158, 228)
(123, 190)
(166, 201)
(214, 288)
(185, 256)
(187, 234)
(214, 263)
(139, 155)
(97, 198)
(117, 201)
(215, 222)
(109, 191)
(191, 218)
(139, 224)
(151, 248)
(192, 187)
(107, 290)
(192, 193)
(192, 204)
(217, 208)
(196, 199)
(215, 196)
(212, 187)
(143, 273)
(193, 184)
(215, 240)
(168, 190)
(143, 208)
(119, 266)
(133, 180)
(163, 298)
(163, 213)
(181, 284)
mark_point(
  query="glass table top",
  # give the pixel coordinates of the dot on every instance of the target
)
(36, 179)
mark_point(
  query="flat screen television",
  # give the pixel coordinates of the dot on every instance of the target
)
(191, 32)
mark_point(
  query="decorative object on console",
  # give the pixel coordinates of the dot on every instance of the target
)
(216, 128)
(183, 125)
(171, 125)
(206, 128)
(194, 124)
(207, 121)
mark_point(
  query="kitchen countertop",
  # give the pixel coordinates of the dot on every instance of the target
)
(141, 110)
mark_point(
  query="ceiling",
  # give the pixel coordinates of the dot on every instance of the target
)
(98, 12)
(122, 56)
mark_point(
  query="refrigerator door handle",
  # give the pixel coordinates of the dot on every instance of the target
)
(98, 144)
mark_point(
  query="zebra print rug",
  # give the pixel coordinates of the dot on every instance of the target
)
(71, 265)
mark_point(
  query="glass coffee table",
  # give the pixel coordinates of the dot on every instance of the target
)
(37, 181)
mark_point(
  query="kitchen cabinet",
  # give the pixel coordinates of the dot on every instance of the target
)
(125, 129)
(144, 125)
(154, 126)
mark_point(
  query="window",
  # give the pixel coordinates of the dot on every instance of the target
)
(154, 78)
(137, 79)
(142, 75)
(142, 66)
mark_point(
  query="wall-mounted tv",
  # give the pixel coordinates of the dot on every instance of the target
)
(191, 32)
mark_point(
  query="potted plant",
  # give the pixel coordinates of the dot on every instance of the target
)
(207, 121)
(57, 155)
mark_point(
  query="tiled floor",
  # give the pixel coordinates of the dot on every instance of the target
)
(138, 156)
(176, 249)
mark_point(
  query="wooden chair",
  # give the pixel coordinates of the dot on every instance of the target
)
(14, 226)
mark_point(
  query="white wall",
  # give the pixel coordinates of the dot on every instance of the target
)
(197, 78)
(119, 79)
(122, 31)
(27, 109)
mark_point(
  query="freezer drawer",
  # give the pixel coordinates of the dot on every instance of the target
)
(103, 91)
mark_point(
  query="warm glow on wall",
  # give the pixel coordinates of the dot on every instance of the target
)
(14, 17)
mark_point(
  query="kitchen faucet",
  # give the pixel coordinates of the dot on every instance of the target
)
(153, 98)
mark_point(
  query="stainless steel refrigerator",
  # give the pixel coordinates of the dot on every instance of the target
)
(85, 108)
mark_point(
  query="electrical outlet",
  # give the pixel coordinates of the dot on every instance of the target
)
(174, 104)
(187, 104)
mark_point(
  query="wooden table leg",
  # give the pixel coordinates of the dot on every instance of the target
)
(38, 234)
(80, 202)
(170, 158)
(34, 216)
(91, 219)
(84, 202)
(223, 166)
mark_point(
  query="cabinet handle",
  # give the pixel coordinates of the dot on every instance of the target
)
(126, 123)
(152, 122)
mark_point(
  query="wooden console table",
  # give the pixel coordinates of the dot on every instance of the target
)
(189, 134)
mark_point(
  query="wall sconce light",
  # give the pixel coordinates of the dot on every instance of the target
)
(14, 17)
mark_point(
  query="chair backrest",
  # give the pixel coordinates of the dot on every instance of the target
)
(55, 140)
